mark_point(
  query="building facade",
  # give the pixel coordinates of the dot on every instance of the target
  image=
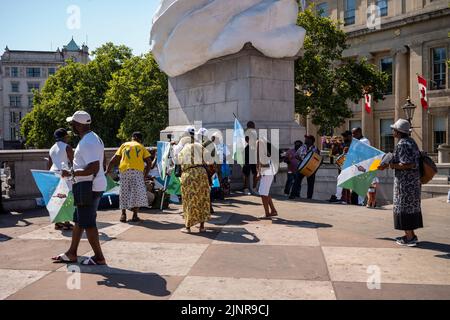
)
(407, 38)
(22, 72)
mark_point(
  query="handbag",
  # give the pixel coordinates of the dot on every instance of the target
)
(83, 194)
(428, 168)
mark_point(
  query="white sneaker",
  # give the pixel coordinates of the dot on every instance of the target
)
(247, 192)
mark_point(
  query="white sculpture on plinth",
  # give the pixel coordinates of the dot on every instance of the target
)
(188, 33)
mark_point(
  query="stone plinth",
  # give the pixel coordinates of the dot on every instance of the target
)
(248, 85)
(444, 153)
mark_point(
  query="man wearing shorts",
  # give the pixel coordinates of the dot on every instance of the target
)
(87, 167)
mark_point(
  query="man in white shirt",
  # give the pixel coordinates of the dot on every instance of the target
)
(87, 167)
(357, 134)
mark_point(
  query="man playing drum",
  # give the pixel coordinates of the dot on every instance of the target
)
(301, 154)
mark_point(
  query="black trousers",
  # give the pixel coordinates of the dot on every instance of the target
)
(297, 188)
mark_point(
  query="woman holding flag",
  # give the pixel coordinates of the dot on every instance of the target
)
(407, 185)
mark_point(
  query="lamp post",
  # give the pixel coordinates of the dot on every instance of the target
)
(409, 108)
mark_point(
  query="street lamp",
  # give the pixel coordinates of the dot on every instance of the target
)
(409, 108)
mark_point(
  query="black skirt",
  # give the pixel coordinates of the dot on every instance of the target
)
(408, 221)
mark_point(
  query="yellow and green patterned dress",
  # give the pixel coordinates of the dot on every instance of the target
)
(195, 190)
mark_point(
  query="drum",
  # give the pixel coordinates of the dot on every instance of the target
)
(310, 164)
(341, 160)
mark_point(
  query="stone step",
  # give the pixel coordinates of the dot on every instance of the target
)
(440, 180)
(436, 189)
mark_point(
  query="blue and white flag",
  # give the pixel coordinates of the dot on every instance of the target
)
(238, 143)
(360, 167)
(163, 158)
(57, 195)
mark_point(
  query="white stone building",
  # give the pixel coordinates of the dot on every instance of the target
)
(413, 37)
(21, 72)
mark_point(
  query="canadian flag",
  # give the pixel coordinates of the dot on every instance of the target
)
(368, 103)
(423, 91)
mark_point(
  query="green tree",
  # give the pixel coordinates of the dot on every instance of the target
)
(325, 81)
(77, 87)
(139, 93)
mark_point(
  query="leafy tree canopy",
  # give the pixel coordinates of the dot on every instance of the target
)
(325, 81)
(121, 92)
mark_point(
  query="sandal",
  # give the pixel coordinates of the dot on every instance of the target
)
(265, 217)
(274, 214)
(63, 258)
(186, 230)
(91, 262)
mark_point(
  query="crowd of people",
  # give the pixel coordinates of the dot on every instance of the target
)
(201, 158)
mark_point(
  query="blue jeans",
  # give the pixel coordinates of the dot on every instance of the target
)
(289, 183)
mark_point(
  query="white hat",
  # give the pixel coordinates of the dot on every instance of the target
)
(190, 130)
(402, 125)
(81, 117)
(203, 132)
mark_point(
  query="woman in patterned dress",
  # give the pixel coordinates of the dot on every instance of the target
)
(407, 185)
(134, 164)
(195, 189)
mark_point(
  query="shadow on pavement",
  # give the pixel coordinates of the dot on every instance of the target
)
(150, 284)
(427, 245)
(9, 219)
(237, 235)
(301, 224)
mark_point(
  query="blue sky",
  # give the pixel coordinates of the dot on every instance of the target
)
(47, 24)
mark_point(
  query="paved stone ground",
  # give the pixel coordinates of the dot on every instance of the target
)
(314, 250)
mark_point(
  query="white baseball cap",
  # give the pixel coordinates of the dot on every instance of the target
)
(203, 132)
(190, 130)
(81, 117)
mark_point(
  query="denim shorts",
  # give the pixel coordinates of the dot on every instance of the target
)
(86, 217)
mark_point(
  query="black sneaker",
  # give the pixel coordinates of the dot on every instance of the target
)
(403, 241)
(333, 199)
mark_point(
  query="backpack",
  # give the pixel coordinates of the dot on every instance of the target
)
(428, 168)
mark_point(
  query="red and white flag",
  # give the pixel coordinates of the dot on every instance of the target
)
(368, 103)
(423, 91)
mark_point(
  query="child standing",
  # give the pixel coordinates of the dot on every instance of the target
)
(372, 194)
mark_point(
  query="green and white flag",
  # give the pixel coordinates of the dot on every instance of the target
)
(57, 195)
(360, 167)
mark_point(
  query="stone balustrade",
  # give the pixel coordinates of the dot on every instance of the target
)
(20, 191)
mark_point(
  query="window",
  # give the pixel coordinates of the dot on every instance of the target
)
(383, 5)
(14, 72)
(51, 71)
(30, 101)
(386, 136)
(33, 72)
(322, 9)
(15, 87)
(33, 86)
(15, 134)
(16, 116)
(439, 132)
(352, 124)
(439, 69)
(15, 101)
(350, 12)
(386, 65)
